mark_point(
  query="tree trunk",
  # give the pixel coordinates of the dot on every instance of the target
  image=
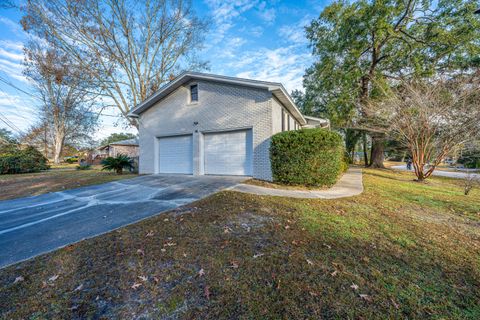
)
(365, 147)
(378, 146)
(59, 140)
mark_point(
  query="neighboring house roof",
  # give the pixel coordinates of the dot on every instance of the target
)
(324, 123)
(129, 142)
(277, 89)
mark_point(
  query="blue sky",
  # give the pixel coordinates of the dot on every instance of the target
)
(247, 38)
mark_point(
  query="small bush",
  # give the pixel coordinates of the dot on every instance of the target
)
(312, 157)
(117, 163)
(71, 160)
(84, 167)
(17, 159)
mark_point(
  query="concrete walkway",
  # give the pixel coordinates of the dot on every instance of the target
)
(349, 185)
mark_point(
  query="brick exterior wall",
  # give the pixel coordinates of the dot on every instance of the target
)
(131, 151)
(220, 107)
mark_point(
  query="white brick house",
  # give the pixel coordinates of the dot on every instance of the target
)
(208, 124)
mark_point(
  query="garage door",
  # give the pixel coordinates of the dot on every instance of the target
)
(228, 153)
(176, 154)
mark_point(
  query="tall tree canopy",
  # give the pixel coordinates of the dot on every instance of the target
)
(365, 45)
(137, 44)
(66, 112)
(115, 137)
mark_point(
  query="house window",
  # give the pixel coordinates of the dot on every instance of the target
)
(194, 93)
(288, 122)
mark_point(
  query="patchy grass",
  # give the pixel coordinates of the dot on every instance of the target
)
(63, 165)
(32, 184)
(267, 184)
(399, 250)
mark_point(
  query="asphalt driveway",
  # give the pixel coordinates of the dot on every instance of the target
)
(35, 225)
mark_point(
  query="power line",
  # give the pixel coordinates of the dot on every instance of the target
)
(40, 99)
(21, 90)
(9, 124)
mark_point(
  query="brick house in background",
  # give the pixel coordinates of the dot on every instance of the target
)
(127, 147)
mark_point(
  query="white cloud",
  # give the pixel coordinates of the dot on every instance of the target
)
(225, 13)
(17, 109)
(295, 33)
(12, 25)
(266, 14)
(12, 45)
(12, 55)
(11, 58)
(285, 65)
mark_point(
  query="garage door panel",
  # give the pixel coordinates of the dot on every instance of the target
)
(228, 152)
(176, 154)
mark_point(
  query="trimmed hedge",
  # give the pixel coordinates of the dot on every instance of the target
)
(16, 159)
(312, 157)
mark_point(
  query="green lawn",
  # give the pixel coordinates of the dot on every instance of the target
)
(32, 184)
(400, 250)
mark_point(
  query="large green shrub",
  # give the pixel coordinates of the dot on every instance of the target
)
(17, 159)
(312, 157)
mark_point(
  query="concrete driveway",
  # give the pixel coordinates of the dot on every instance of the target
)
(35, 225)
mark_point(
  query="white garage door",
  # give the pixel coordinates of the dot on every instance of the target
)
(176, 154)
(228, 153)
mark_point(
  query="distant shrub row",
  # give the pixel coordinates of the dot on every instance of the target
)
(17, 159)
(312, 157)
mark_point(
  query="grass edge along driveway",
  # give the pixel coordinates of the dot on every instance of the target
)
(33, 184)
(399, 250)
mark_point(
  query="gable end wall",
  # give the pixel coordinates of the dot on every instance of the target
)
(220, 107)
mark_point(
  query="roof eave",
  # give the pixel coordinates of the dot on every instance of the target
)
(276, 88)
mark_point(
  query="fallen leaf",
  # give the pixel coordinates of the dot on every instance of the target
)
(394, 303)
(80, 287)
(313, 294)
(354, 286)
(166, 219)
(150, 234)
(184, 255)
(18, 279)
(136, 285)
(366, 297)
(207, 292)
(258, 255)
(234, 264)
(143, 278)
(201, 272)
(334, 273)
(287, 227)
(310, 262)
(140, 251)
(170, 244)
(156, 280)
(53, 278)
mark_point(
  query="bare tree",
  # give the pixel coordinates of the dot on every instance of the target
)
(139, 44)
(469, 182)
(66, 111)
(430, 119)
